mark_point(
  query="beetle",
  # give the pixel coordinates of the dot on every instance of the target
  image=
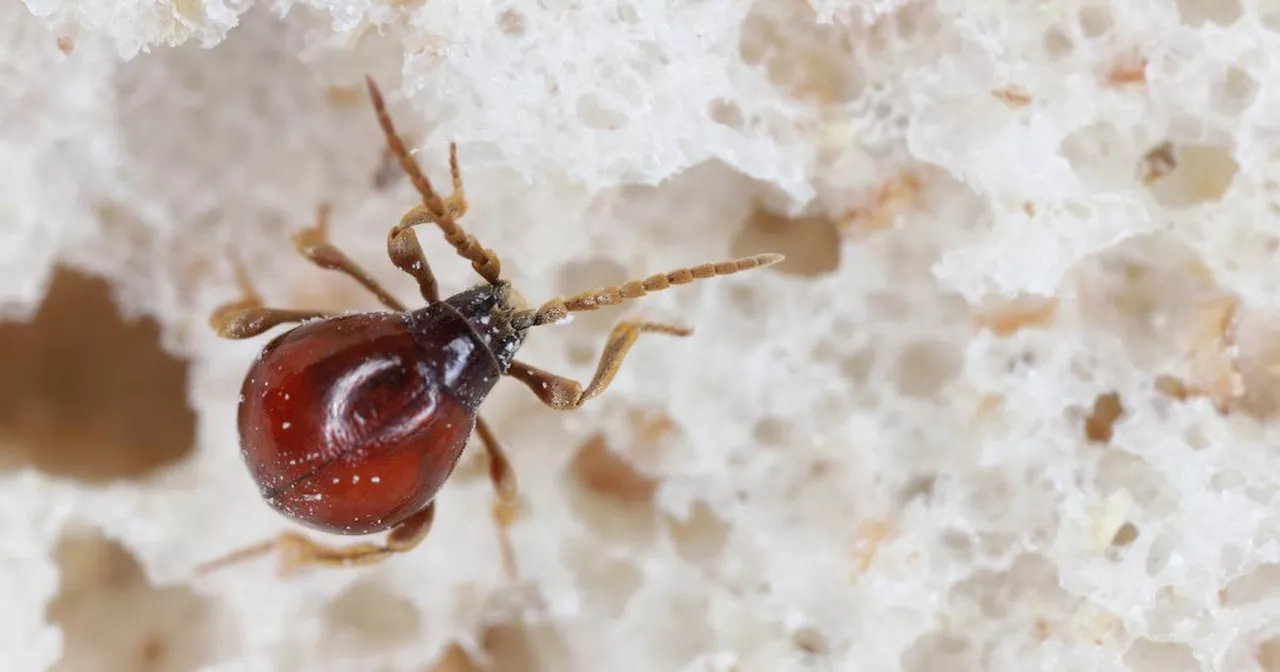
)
(351, 423)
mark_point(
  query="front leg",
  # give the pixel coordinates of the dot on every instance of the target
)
(402, 243)
(298, 552)
(406, 254)
(565, 394)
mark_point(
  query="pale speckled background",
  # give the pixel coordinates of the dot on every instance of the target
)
(1009, 404)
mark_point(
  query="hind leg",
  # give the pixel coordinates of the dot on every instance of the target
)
(297, 552)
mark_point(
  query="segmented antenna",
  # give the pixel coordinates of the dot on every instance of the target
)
(441, 212)
(559, 309)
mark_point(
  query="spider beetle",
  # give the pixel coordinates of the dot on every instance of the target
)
(351, 423)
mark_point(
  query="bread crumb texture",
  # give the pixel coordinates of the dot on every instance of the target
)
(1012, 402)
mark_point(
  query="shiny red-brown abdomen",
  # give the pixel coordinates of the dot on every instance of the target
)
(351, 424)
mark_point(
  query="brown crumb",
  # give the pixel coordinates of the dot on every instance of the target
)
(1213, 357)
(344, 95)
(1097, 625)
(1158, 162)
(988, 408)
(1172, 387)
(66, 44)
(1008, 317)
(1012, 96)
(867, 542)
(1215, 370)
(1042, 629)
(1128, 69)
(1124, 536)
(879, 213)
(1106, 410)
(809, 641)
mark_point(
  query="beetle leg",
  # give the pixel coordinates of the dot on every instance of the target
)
(502, 475)
(402, 243)
(443, 212)
(247, 317)
(313, 243)
(505, 505)
(236, 321)
(563, 393)
(407, 255)
(298, 552)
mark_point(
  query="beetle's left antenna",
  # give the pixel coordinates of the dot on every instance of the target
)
(556, 310)
(443, 212)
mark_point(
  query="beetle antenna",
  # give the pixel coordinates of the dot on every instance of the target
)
(556, 310)
(443, 212)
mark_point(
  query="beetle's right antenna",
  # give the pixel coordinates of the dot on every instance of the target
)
(559, 309)
(443, 212)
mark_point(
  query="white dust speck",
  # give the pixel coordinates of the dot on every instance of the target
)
(286, 425)
(375, 479)
(355, 478)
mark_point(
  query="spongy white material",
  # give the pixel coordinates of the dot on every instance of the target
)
(1027, 421)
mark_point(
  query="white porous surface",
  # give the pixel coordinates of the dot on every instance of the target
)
(1010, 403)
